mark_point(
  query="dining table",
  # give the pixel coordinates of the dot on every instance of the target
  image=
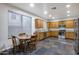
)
(24, 40)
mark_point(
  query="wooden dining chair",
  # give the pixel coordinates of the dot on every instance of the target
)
(15, 46)
(32, 43)
(22, 43)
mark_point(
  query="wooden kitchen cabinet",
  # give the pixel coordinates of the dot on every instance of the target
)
(52, 24)
(48, 24)
(40, 36)
(61, 24)
(70, 35)
(54, 33)
(48, 34)
(41, 23)
(38, 23)
(69, 23)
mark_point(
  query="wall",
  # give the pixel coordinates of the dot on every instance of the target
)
(3, 26)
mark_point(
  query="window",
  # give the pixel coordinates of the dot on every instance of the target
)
(19, 23)
(27, 24)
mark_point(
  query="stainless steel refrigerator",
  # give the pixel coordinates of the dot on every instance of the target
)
(76, 43)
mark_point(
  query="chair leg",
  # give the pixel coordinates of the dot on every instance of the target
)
(32, 47)
(13, 51)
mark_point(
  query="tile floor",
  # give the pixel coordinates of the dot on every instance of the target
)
(50, 46)
(53, 46)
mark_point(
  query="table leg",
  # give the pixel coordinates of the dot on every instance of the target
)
(25, 46)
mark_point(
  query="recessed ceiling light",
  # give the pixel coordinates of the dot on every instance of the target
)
(50, 15)
(68, 11)
(31, 4)
(68, 6)
(45, 12)
(68, 15)
(53, 17)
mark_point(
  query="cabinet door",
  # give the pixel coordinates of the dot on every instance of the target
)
(48, 34)
(70, 24)
(52, 33)
(38, 36)
(55, 33)
(41, 35)
(70, 35)
(41, 23)
(38, 23)
(51, 24)
(55, 24)
(48, 24)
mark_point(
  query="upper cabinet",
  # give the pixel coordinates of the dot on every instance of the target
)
(52, 24)
(48, 24)
(70, 23)
(65, 24)
(61, 24)
(55, 24)
(38, 23)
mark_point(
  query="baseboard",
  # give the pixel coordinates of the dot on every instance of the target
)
(69, 38)
(54, 36)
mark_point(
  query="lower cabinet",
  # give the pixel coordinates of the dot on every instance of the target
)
(48, 33)
(41, 35)
(70, 35)
(52, 34)
(70, 24)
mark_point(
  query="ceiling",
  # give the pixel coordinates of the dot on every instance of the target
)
(59, 13)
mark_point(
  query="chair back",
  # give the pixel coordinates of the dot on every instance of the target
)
(14, 41)
(33, 38)
(20, 34)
